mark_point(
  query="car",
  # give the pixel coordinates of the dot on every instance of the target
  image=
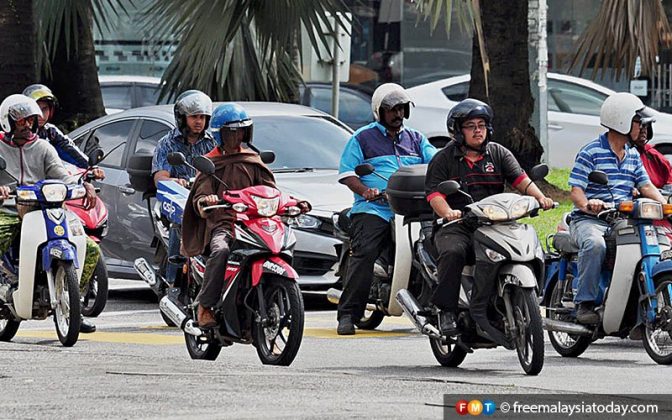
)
(307, 143)
(125, 92)
(573, 114)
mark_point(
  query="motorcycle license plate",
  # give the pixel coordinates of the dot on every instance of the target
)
(666, 255)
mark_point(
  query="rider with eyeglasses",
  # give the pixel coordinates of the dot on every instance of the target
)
(481, 167)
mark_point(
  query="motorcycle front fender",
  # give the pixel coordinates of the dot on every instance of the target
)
(272, 265)
(59, 249)
(519, 275)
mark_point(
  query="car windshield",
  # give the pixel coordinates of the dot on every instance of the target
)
(300, 143)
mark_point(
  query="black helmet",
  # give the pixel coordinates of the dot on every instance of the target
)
(466, 110)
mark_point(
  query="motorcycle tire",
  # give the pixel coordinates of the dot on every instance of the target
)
(95, 299)
(285, 314)
(651, 345)
(8, 329)
(448, 355)
(201, 348)
(370, 322)
(529, 347)
(566, 345)
(67, 314)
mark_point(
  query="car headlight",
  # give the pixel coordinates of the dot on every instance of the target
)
(54, 193)
(652, 211)
(78, 192)
(266, 207)
(494, 213)
(520, 208)
(26, 195)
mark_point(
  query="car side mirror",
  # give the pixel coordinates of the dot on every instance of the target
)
(538, 172)
(176, 159)
(448, 187)
(598, 177)
(267, 156)
(364, 169)
(203, 164)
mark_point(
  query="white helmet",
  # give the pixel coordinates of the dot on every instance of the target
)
(618, 110)
(16, 107)
(388, 96)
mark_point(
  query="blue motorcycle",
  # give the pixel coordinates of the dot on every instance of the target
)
(635, 288)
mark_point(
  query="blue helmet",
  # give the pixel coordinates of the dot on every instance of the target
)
(231, 117)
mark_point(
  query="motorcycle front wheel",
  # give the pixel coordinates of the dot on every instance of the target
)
(8, 329)
(448, 355)
(656, 338)
(371, 320)
(67, 314)
(530, 338)
(95, 297)
(278, 339)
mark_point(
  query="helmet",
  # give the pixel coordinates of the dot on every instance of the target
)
(191, 102)
(231, 116)
(466, 110)
(389, 95)
(618, 110)
(40, 93)
(16, 107)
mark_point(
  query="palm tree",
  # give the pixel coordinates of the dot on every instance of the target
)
(18, 66)
(238, 50)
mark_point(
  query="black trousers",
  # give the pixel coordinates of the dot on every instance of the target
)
(455, 247)
(215, 268)
(369, 236)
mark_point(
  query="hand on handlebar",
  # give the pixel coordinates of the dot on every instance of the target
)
(4, 192)
(451, 215)
(594, 206)
(209, 200)
(546, 203)
(371, 194)
(97, 173)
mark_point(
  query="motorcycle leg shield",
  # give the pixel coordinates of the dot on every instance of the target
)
(484, 289)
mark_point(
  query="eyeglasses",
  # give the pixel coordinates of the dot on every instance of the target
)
(25, 121)
(474, 127)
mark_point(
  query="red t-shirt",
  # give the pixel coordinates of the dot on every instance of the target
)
(656, 165)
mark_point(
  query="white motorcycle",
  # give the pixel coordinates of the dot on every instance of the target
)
(41, 274)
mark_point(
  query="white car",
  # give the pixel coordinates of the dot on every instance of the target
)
(125, 92)
(573, 114)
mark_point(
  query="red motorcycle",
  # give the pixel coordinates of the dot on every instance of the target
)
(95, 225)
(261, 303)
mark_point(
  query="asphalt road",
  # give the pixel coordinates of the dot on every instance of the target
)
(134, 366)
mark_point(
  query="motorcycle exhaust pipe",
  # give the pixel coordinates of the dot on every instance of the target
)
(411, 308)
(145, 271)
(334, 296)
(566, 327)
(175, 313)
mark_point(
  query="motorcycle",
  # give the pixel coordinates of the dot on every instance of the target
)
(395, 268)
(635, 287)
(261, 303)
(511, 317)
(42, 272)
(96, 227)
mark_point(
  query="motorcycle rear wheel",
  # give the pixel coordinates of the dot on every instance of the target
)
(200, 348)
(566, 345)
(371, 320)
(658, 342)
(8, 329)
(67, 314)
(530, 340)
(448, 355)
(95, 299)
(285, 315)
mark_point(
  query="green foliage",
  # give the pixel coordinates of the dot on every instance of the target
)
(559, 178)
(547, 221)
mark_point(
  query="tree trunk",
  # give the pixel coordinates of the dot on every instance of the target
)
(75, 79)
(505, 32)
(18, 62)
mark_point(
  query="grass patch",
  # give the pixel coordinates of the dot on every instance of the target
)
(559, 178)
(547, 221)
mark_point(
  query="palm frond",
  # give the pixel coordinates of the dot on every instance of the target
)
(636, 28)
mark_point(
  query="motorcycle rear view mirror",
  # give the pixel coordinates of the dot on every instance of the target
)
(176, 159)
(364, 169)
(95, 156)
(267, 156)
(598, 177)
(538, 172)
(203, 164)
(448, 187)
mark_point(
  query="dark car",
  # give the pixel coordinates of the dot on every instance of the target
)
(307, 143)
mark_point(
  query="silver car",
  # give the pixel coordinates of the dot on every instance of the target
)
(307, 143)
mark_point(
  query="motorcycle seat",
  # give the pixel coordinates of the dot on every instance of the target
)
(564, 243)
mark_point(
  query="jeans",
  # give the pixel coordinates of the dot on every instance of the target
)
(370, 235)
(215, 268)
(588, 233)
(173, 250)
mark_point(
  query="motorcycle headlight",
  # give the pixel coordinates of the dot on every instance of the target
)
(54, 193)
(266, 207)
(494, 255)
(303, 221)
(78, 192)
(652, 211)
(494, 213)
(520, 208)
(26, 195)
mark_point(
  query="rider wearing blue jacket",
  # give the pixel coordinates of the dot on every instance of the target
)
(387, 145)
